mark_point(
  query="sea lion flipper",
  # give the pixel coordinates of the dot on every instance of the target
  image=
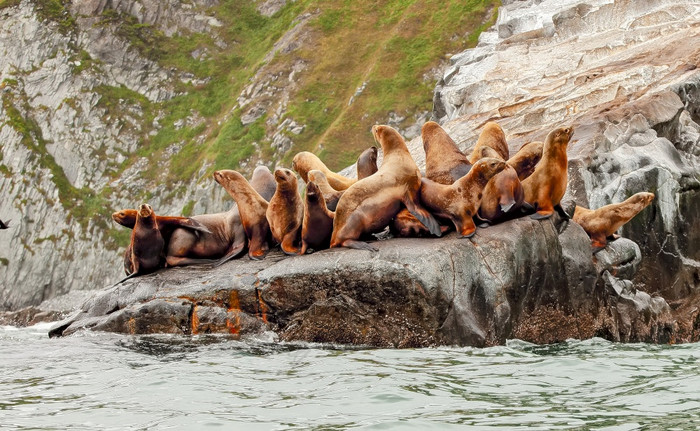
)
(173, 261)
(422, 215)
(561, 212)
(236, 250)
(194, 225)
(359, 245)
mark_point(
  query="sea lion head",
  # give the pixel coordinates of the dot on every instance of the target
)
(303, 162)
(488, 167)
(388, 138)
(227, 177)
(494, 129)
(145, 211)
(286, 179)
(260, 170)
(315, 175)
(124, 217)
(560, 136)
(313, 193)
(643, 198)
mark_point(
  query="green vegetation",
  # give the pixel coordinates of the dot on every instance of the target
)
(56, 11)
(8, 3)
(188, 208)
(4, 261)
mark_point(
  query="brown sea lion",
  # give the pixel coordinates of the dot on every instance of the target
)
(317, 226)
(304, 161)
(330, 195)
(601, 224)
(525, 160)
(4, 225)
(367, 163)
(444, 162)
(146, 248)
(252, 208)
(491, 136)
(371, 203)
(285, 214)
(460, 201)
(166, 225)
(503, 193)
(547, 184)
(227, 238)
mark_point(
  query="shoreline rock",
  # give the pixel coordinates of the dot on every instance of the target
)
(520, 279)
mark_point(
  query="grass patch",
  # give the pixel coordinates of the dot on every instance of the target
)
(9, 3)
(188, 208)
(56, 11)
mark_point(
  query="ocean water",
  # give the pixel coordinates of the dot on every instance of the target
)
(100, 381)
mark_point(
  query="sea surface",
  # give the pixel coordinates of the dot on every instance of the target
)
(99, 381)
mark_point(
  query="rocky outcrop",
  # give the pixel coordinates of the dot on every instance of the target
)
(624, 74)
(533, 280)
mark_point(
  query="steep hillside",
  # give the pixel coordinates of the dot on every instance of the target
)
(106, 104)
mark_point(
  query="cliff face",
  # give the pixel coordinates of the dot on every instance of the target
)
(108, 104)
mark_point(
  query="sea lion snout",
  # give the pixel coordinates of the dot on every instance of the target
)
(145, 210)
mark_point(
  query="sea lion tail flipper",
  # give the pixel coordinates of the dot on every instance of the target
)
(359, 245)
(235, 251)
(528, 206)
(422, 215)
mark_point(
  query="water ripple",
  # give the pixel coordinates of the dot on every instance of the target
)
(96, 381)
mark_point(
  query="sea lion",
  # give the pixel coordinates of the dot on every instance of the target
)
(491, 136)
(444, 162)
(367, 163)
(4, 225)
(285, 214)
(330, 195)
(263, 182)
(317, 226)
(146, 248)
(305, 161)
(503, 193)
(227, 238)
(547, 184)
(525, 160)
(166, 225)
(371, 203)
(460, 201)
(251, 209)
(602, 223)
